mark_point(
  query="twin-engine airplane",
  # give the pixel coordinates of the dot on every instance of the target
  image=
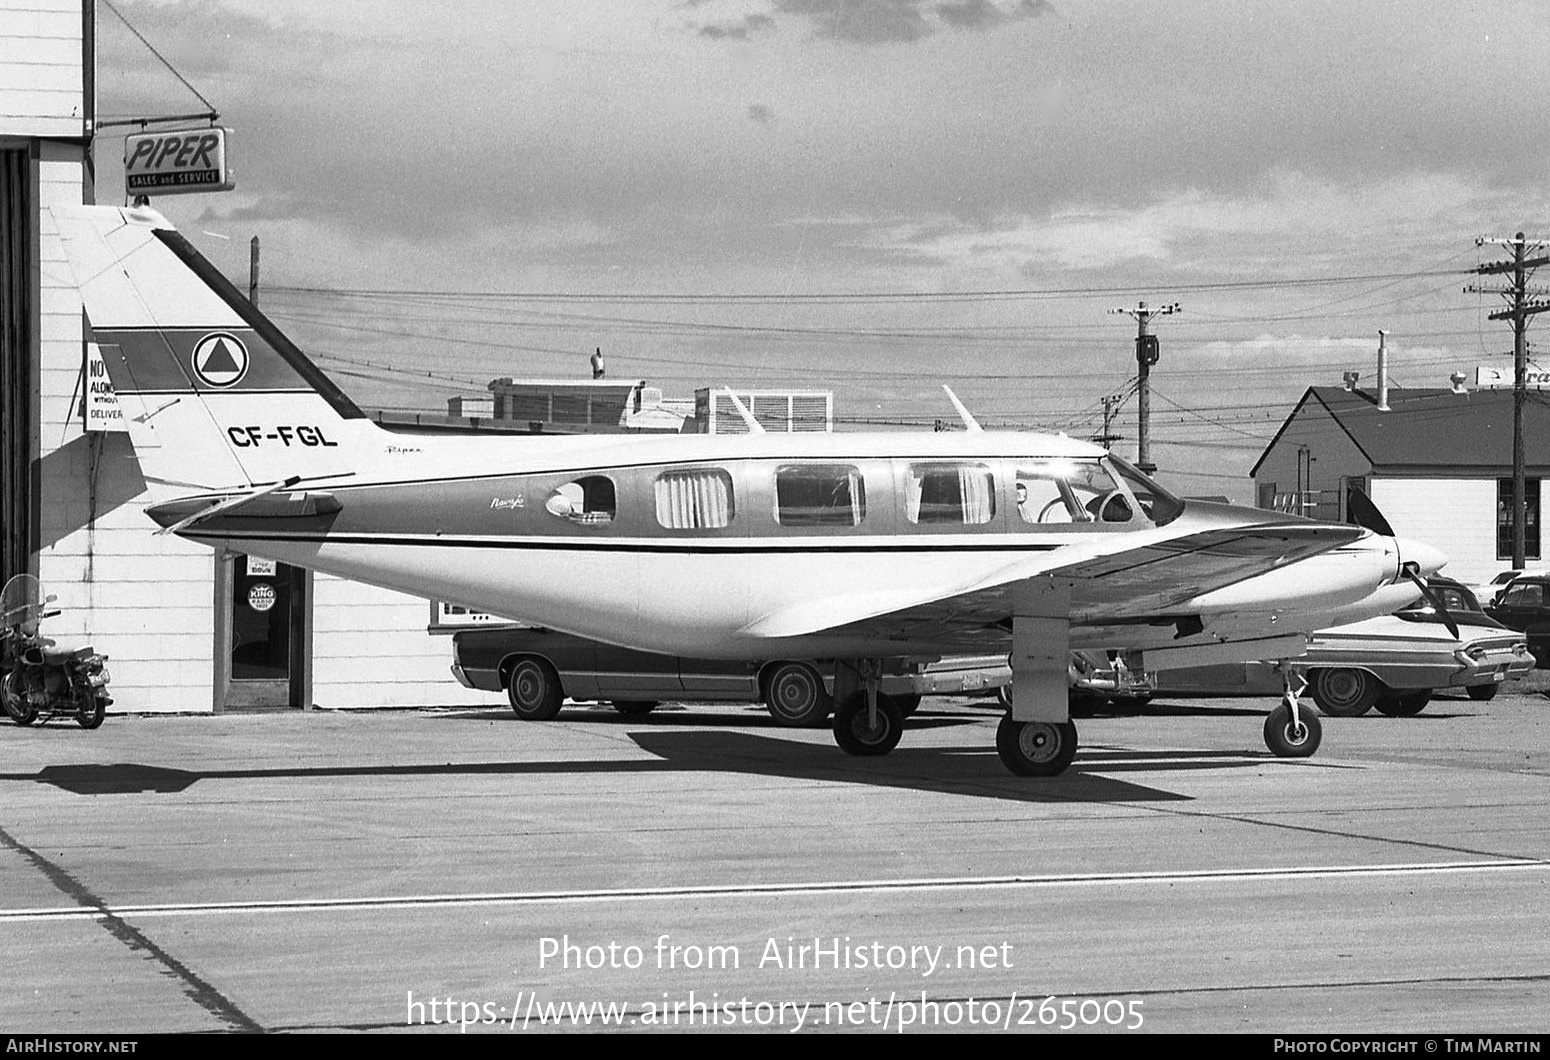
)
(861, 549)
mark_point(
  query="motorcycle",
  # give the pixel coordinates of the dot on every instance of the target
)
(39, 678)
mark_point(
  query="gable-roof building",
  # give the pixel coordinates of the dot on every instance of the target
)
(1438, 464)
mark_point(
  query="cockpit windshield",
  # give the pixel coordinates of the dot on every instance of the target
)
(1160, 506)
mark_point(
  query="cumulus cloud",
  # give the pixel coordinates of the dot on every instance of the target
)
(880, 21)
(740, 29)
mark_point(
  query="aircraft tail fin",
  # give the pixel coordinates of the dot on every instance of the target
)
(215, 396)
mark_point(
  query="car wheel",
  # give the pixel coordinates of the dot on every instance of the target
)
(1404, 704)
(795, 697)
(635, 708)
(534, 690)
(1483, 692)
(1286, 740)
(1342, 692)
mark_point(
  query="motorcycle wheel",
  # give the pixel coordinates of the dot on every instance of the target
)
(91, 715)
(15, 702)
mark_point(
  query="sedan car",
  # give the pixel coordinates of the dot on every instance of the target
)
(1491, 592)
(539, 669)
(1525, 605)
(1392, 663)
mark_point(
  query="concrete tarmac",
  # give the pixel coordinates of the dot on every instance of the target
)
(449, 871)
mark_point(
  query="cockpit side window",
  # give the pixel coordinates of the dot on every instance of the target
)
(1057, 491)
(819, 495)
(958, 494)
(589, 501)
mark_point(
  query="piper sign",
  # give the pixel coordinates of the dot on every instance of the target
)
(179, 161)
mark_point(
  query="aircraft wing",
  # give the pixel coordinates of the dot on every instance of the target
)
(1147, 583)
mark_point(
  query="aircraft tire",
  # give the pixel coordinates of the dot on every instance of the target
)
(1404, 704)
(1342, 692)
(635, 708)
(534, 690)
(854, 733)
(795, 696)
(1286, 742)
(1036, 748)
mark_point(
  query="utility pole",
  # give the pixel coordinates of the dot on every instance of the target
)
(1108, 437)
(1146, 356)
(1520, 309)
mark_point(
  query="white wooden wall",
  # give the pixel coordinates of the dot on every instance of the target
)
(41, 68)
(370, 649)
(1455, 515)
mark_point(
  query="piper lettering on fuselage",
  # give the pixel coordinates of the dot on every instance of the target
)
(859, 548)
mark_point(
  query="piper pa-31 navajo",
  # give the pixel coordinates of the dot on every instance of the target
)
(857, 549)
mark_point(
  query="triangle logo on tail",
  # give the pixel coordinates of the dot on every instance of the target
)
(220, 359)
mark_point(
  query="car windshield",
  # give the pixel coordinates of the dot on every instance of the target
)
(1455, 598)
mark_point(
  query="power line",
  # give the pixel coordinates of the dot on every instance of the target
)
(856, 297)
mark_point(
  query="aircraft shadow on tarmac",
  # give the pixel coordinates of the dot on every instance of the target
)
(968, 770)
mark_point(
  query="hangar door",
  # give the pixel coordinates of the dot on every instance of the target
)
(18, 370)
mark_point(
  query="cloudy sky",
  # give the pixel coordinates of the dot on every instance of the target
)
(870, 196)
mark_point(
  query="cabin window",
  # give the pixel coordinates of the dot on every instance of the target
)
(961, 494)
(700, 499)
(588, 501)
(819, 495)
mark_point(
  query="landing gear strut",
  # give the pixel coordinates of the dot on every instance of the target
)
(1289, 732)
(868, 722)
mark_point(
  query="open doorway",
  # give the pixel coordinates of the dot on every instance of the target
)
(267, 639)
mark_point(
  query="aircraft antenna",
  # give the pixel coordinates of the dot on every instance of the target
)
(754, 427)
(970, 424)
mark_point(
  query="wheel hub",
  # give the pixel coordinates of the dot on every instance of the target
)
(1039, 742)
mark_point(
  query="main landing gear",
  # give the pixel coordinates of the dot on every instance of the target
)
(866, 722)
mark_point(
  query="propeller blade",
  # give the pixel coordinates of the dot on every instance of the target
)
(1361, 511)
(1434, 598)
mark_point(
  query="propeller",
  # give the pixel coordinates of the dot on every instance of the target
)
(1432, 596)
(1361, 511)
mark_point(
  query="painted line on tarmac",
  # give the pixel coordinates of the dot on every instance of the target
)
(431, 901)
